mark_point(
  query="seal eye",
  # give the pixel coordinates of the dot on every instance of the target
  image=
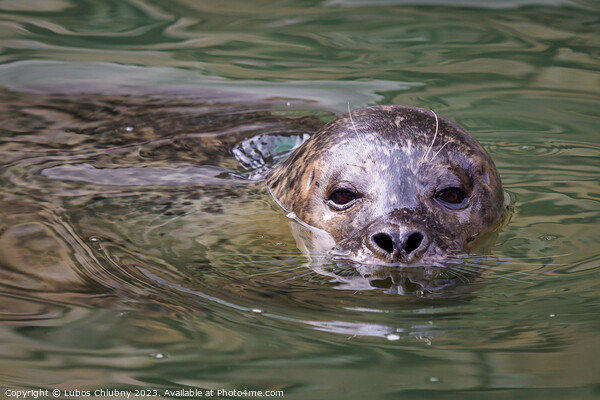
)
(341, 199)
(452, 197)
(342, 196)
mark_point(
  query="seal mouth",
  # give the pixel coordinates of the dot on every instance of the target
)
(367, 258)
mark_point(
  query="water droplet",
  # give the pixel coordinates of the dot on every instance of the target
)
(392, 337)
(158, 356)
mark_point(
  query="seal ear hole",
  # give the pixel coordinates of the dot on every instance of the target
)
(486, 176)
(310, 179)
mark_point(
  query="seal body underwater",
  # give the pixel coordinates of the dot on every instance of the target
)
(393, 185)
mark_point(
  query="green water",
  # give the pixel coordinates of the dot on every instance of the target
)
(111, 278)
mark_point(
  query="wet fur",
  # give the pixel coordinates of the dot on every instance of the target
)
(398, 158)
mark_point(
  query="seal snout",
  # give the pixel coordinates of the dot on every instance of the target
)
(393, 243)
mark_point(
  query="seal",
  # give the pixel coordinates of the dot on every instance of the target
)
(394, 185)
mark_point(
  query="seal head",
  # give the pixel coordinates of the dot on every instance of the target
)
(393, 184)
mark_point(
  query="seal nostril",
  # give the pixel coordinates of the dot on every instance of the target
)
(384, 241)
(413, 242)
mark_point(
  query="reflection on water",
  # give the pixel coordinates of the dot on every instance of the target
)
(138, 246)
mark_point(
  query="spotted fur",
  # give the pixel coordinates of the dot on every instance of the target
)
(397, 158)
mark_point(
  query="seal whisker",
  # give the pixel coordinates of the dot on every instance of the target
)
(504, 273)
(310, 273)
(509, 278)
(509, 262)
(267, 254)
(464, 270)
(462, 276)
(357, 166)
(489, 263)
(504, 259)
(477, 272)
(275, 271)
(355, 130)
(484, 268)
(438, 152)
(434, 137)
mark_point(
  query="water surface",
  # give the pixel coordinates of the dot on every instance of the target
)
(137, 251)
